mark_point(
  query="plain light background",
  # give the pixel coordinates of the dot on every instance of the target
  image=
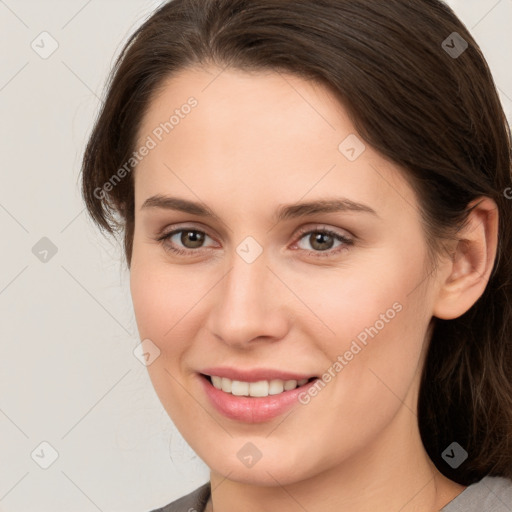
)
(68, 374)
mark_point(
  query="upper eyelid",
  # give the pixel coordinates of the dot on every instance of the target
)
(173, 230)
(324, 227)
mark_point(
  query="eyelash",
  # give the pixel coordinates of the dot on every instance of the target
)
(163, 239)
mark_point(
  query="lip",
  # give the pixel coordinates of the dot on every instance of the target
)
(252, 409)
(254, 375)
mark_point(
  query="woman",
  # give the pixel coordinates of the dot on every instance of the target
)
(313, 200)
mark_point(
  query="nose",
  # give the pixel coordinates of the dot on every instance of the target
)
(249, 305)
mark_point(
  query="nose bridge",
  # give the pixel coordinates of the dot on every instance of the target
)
(247, 302)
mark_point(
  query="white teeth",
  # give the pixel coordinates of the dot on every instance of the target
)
(275, 387)
(256, 389)
(290, 384)
(239, 388)
(226, 385)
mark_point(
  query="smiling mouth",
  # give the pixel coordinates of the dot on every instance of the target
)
(262, 388)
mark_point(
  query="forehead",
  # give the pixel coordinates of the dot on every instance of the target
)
(257, 135)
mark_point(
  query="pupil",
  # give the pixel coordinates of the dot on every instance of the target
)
(318, 239)
(195, 236)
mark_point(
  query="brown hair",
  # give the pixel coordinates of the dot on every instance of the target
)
(436, 114)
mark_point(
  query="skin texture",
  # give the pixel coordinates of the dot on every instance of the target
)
(254, 142)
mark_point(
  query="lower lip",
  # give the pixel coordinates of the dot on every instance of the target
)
(252, 409)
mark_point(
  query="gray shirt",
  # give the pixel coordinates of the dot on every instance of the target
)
(491, 494)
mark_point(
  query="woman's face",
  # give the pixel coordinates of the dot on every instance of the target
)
(260, 295)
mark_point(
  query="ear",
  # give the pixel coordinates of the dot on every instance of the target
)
(468, 272)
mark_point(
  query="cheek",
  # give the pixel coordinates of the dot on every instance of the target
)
(377, 326)
(149, 302)
(373, 299)
(373, 356)
(161, 295)
(168, 302)
(160, 311)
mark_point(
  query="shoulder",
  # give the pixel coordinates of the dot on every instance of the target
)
(491, 494)
(193, 502)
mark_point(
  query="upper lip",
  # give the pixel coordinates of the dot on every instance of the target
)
(254, 374)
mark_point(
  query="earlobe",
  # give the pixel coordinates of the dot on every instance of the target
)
(469, 270)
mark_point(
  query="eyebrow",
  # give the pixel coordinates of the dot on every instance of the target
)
(283, 212)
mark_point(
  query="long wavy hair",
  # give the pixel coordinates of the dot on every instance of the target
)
(415, 96)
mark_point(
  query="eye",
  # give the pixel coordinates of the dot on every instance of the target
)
(191, 238)
(322, 241)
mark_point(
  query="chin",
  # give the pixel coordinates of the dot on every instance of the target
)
(274, 466)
